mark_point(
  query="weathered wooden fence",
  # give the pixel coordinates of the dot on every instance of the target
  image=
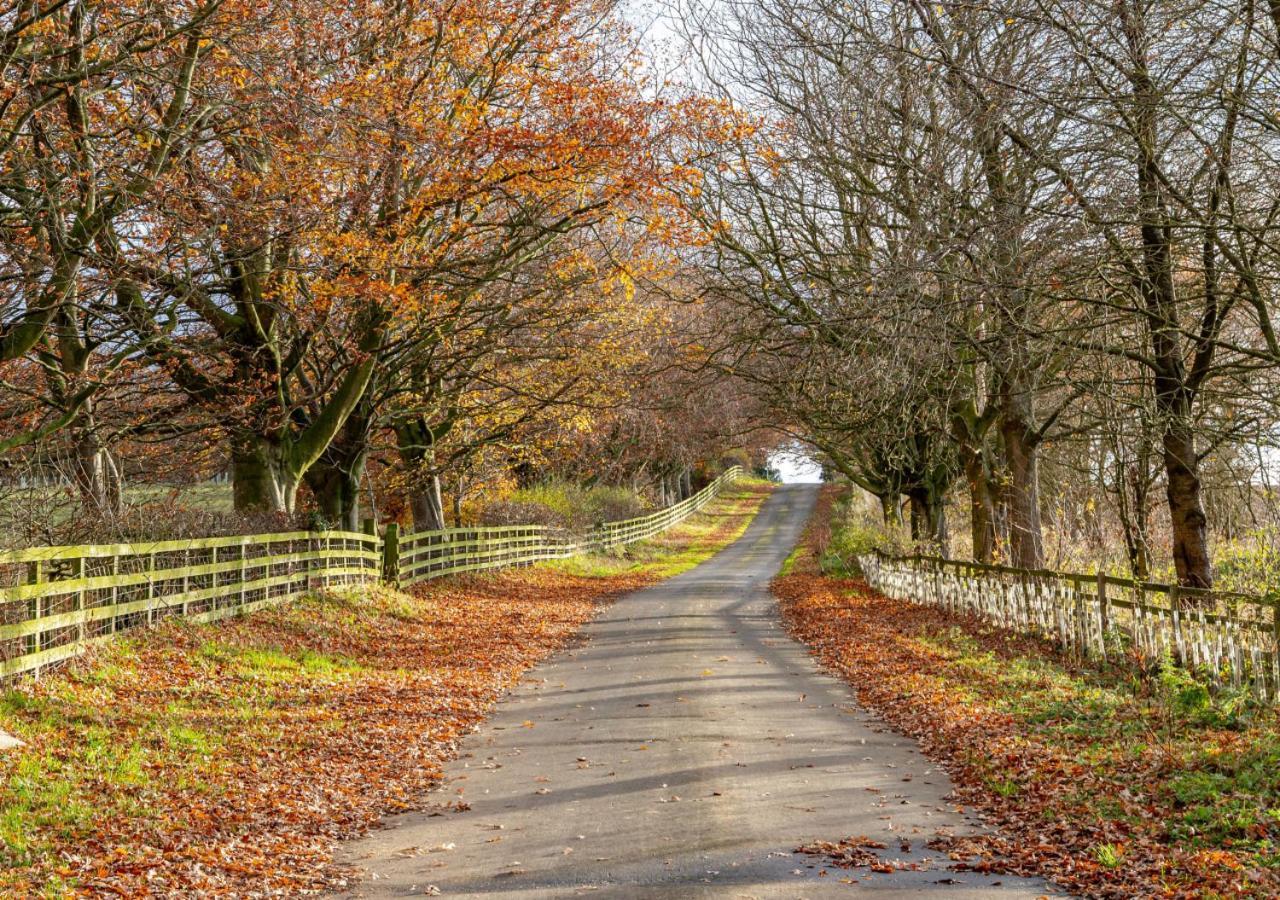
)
(613, 534)
(430, 554)
(55, 601)
(1225, 637)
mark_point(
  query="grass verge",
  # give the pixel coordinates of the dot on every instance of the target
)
(686, 545)
(229, 758)
(1110, 784)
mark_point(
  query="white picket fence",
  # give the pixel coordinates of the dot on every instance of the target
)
(1227, 638)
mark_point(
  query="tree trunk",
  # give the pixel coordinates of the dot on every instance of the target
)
(337, 494)
(1015, 392)
(1186, 511)
(1133, 510)
(1174, 390)
(260, 482)
(919, 515)
(96, 476)
(928, 518)
(428, 507)
(890, 510)
(686, 484)
(334, 479)
(940, 533)
(982, 507)
(1022, 491)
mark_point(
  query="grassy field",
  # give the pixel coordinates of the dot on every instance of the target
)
(229, 758)
(1112, 781)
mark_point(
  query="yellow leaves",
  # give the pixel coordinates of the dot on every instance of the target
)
(628, 284)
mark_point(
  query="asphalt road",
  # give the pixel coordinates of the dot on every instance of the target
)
(684, 749)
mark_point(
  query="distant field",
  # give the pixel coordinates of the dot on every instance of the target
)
(53, 514)
(208, 496)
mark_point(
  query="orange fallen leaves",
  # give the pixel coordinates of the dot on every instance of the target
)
(229, 759)
(321, 757)
(874, 643)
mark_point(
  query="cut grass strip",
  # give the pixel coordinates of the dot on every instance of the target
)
(688, 544)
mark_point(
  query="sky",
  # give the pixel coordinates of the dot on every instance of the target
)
(795, 466)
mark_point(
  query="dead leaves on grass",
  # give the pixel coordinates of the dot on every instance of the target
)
(1024, 786)
(307, 724)
(255, 744)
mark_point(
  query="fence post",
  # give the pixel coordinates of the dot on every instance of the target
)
(368, 526)
(1175, 616)
(35, 575)
(1275, 647)
(1104, 610)
(325, 561)
(244, 572)
(1080, 616)
(391, 554)
(151, 588)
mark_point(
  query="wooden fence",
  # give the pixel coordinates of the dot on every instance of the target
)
(430, 554)
(1224, 637)
(55, 601)
(613, 534)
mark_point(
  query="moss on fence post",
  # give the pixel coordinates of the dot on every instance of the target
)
(391, 554)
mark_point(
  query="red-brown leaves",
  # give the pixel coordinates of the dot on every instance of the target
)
(257, 744)
(1090, 809)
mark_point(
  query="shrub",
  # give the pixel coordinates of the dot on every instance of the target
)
(854, 532)
(564, 505)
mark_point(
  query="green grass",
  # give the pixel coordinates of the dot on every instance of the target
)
(1212, 763)
(215, 498)
(789, 563)
(103, 744)
(59, 505)
(683, 547)
(114, 753)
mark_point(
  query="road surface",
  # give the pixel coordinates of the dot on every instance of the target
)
(684, 749)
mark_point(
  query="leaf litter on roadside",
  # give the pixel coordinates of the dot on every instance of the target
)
(1086, 785)
(228, 759)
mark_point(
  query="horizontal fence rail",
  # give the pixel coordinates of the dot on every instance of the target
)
(453, 551)
(431, 554)
(55, 601)
(628, 531)
(1225, 637)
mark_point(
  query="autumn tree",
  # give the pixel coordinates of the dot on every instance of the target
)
(96, 112)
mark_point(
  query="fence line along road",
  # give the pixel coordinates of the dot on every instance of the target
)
(430, 554)
(55, 601)
(1225, 637)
